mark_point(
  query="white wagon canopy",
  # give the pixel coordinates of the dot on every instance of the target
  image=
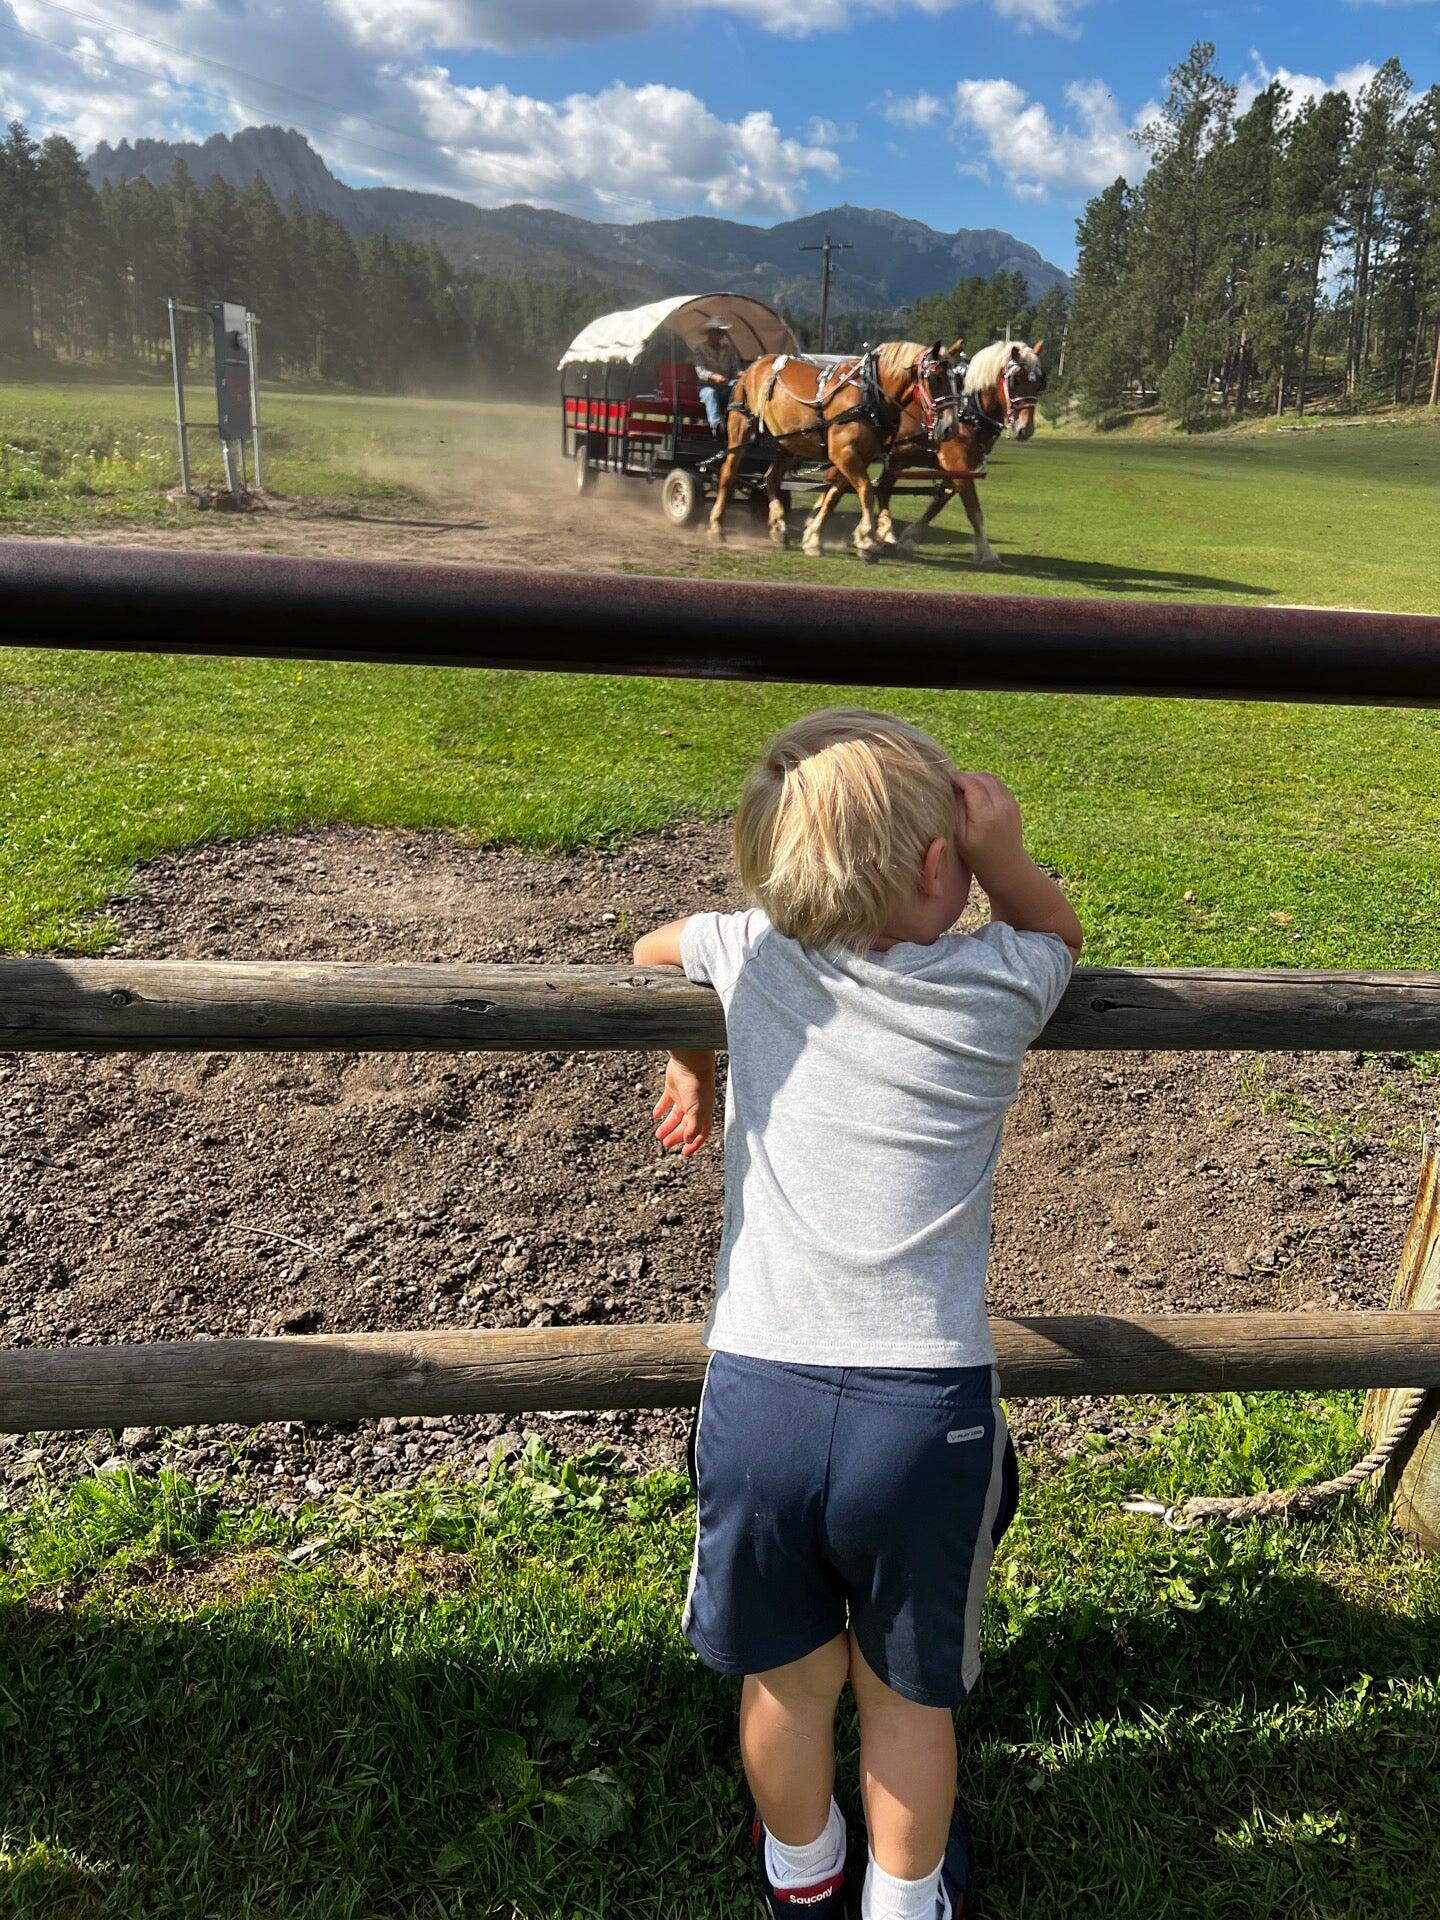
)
(623, 337)
(631, 400)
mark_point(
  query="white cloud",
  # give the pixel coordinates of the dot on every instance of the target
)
(1033, 154)
(912, 110)
(615, 152)
(621, 152)
(1303, 86)
(829, 133)
(1055, 15)
(505, 24)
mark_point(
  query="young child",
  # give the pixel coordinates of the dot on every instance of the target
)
(852, 1463)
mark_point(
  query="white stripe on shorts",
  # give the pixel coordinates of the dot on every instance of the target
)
(695, 1557)
(985, 1545)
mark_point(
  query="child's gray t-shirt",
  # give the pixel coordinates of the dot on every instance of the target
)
(866, 1098)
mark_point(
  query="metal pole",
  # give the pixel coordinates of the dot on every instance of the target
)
(227, 453)
(829, 246)
(251, 323)
(154, 600)
(179, 401)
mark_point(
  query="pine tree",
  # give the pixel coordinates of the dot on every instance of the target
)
(1308, 205)
(1176, 278)
(1367, 207)
(22, 238)
(1101, 344)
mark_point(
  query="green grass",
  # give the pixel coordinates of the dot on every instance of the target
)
(1327, 519)
(1334, 519)
(1305, 835)
(476, 1701)
(75, 455)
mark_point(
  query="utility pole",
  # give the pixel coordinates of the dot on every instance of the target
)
(830, 246)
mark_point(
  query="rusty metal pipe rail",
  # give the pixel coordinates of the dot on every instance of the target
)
(57, 594)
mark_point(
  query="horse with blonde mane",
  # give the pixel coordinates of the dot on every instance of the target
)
(847, 413)
(1002, 384)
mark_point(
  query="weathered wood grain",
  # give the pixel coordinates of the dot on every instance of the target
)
(357, 1376)
(263, 1005)
(1411, 1482)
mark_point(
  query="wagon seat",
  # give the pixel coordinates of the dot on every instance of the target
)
(652, 413)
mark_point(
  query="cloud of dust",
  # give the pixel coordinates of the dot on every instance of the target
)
(502, 469)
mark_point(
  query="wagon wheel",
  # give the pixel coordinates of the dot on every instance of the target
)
(681, 497)
(584, 472)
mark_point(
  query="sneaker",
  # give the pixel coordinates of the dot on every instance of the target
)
(825, 1900)
(957, 1869)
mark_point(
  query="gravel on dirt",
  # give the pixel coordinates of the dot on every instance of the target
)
(154, 1197)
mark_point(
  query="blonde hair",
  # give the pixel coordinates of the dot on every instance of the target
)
(835, 821)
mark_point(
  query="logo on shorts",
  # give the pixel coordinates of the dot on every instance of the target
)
(957, 1434)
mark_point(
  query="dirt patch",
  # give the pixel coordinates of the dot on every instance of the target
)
(518, 508)
(175, 1196)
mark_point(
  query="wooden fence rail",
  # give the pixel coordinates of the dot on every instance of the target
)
(192, 1005)
(360, 1375)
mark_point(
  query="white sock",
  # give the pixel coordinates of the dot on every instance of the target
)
(804, 1866)
(886, 1898)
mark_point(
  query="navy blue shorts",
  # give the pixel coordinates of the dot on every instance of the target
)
(844, 1497)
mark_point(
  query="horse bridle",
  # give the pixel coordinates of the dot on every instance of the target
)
(939, 412)
(1013, 407)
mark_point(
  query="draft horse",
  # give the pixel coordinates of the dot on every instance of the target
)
(847, 414)
(1002, 384)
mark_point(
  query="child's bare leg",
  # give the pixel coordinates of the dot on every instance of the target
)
(787, 1740)
(907, 1773)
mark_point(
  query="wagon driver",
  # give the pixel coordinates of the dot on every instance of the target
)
(718, 366)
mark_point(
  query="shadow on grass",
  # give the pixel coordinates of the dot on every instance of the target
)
(950, 548)
(1276, 1753)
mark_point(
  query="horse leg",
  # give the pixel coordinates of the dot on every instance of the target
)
(851, 465)
(779, 532)
(910, 539)
(740, 427)
(985, 554)
(884, 525)
(813, 539)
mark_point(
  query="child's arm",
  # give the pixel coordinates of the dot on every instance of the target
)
(1020, 893)
(662, 947)
(686, 1109)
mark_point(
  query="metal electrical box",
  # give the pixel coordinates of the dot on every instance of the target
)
(232, 368)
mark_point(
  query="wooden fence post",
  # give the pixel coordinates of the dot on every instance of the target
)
(1410, 1485)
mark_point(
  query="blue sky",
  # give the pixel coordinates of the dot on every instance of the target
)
(1005, 113)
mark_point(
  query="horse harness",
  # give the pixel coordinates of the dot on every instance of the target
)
(968, 412)
(872, 406)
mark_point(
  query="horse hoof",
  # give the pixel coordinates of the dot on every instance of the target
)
(812, 547)
(991, 564)
(779, 537)
(892, 540)
(869, 554)
(716, 536)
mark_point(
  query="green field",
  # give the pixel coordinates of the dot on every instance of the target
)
(74, 454)
(474, 1701)
(1330, 518)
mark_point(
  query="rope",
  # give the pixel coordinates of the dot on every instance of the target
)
(1199, 1510)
